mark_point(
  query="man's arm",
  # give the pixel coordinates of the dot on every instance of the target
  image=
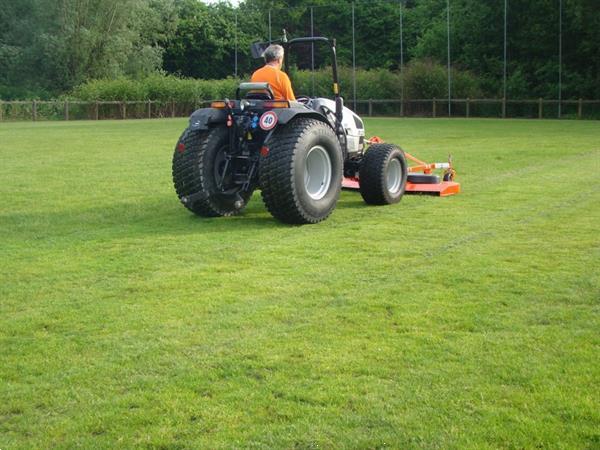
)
(288, 92)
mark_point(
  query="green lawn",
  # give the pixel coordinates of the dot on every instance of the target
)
(462, 322)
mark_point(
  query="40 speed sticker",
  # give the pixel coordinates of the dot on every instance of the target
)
(268, 120)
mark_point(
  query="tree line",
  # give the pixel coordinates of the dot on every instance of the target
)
(50, 47)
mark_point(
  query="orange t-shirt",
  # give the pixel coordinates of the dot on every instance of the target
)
(278, 80)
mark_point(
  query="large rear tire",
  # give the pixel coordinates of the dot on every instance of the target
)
(301, 176)
(382, 174)
(198, 163)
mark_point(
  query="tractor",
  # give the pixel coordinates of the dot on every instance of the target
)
(297, 153)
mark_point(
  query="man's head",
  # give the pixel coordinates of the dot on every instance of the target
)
(274, 55)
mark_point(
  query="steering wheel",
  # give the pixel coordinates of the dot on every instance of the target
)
(304, 99)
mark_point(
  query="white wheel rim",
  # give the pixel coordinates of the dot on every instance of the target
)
(317, 172)
(394, 176)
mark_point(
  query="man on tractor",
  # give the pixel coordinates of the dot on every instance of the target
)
(271, 73)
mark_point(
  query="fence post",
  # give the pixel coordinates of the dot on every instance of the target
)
(504, 107)
(67, 110)
(149, 109)
(370, 107)
(123, 110)
(468, 107)
(1, 111)
(579, 109)
(34, 110)
(540, 108)
(402, 108)
(172, 108)
(96, 110)
(433, 108)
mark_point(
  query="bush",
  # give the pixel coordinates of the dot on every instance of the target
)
(155, 87)
(9, 93)
(422, 79)
(375, 83)
(426, 79)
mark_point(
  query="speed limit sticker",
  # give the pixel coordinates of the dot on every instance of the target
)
(268, 120)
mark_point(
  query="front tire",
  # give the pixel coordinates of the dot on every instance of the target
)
(301, 176)
(198, 162)
(382, 174)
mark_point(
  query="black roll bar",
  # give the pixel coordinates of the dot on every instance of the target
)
(334, 66)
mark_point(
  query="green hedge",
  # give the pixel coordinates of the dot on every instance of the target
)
(422, 79)
(155, 87)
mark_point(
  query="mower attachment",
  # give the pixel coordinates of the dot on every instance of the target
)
(443, 189)
(420, 178)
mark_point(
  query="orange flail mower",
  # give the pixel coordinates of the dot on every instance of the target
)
(420, 177)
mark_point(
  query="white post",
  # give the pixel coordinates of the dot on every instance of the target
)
(449, 76)
(505, 28)
(559, 57)
(312, 50)
(269, 25)
(236, 45)
(353, 58)
(401, 64)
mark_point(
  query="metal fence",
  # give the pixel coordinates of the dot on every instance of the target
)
(101, 110)
(493, 108)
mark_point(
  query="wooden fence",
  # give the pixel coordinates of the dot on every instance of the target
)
(36, 110)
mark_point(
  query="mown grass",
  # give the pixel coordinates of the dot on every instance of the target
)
(462, 322)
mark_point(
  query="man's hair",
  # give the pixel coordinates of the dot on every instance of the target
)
(273, 53)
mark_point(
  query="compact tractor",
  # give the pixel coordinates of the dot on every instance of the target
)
(298, 153)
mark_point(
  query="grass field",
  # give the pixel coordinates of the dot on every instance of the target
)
(462, 322)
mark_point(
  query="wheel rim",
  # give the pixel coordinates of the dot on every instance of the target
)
(394, 176)
(317, 172)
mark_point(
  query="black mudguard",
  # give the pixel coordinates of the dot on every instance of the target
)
(286, 115)
(203, 119)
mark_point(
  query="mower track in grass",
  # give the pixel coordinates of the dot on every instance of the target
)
(468, 321)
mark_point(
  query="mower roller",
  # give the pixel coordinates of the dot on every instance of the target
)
(298, 153)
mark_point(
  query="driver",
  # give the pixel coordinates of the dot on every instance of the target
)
(271, 73)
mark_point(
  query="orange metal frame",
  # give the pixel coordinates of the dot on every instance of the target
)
(443, 189)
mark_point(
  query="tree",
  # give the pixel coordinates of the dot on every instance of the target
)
(204, 41)
(50, 46)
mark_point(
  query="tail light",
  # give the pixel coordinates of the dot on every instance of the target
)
(222, 105)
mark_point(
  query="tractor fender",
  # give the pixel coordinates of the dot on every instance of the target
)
(286, 115)
(202, 119)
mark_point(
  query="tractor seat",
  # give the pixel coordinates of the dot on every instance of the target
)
(255, 91)
(258, 95)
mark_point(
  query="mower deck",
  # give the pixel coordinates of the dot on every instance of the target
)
(443, 189)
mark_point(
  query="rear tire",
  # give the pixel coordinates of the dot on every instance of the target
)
(196, 162)
(301, 176)
(382, 174)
